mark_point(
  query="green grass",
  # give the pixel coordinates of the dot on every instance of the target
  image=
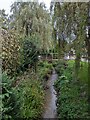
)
(83, 73)
(71, 63)
(72, 95)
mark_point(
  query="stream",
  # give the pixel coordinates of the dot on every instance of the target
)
(50, 108)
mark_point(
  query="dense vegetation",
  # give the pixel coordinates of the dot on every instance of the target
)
(30, 36)
(23, 96)
(72, 95)
(24, 75)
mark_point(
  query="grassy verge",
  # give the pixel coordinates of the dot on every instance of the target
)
(72, 95)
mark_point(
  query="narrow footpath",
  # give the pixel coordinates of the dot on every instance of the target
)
(50, 103)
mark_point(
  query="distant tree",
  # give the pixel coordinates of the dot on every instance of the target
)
(70, 19)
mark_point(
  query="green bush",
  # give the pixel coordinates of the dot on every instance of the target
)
(9, 102)
(29, 52)
(45, 70)
(25, 100)
(31, 98)
(45, 64)
(18, 53)
(60, 66)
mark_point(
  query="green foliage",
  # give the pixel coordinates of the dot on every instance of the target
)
(23, 101)
(33, 19)
(29, 52)
(17, 54)
(83, 72)
(72, 97)
(44, 71)
(31, 97)
(10, 51)
(59, 66)
(3, 19)
(9, 104)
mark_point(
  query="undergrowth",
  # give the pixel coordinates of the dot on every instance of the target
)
(23, 96)
(71, 95)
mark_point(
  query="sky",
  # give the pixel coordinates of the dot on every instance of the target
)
(5, 4)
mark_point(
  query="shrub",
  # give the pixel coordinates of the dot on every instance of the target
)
(29, 54)
(60, 66)
(31, 98)
(18, 53)
(9, 102)
(45, 69)
(44, 72)
(10, 51)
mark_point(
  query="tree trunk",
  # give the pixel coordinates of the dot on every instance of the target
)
(59, 49)
(26, 29)
(77, 66)
(35, 67)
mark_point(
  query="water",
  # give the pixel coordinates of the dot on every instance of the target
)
(50, 109)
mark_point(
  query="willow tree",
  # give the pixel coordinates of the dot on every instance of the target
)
(70, 20)
(79, 29)
(32, 19)
(59, 26)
